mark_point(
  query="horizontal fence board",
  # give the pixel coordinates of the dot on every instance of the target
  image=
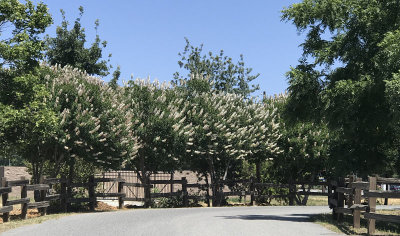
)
(38, 204)
(52, 197)
(312, 193)
(5, 190)
(159, 195)
(37, 187)
(18, 201)
(382, 194)
(197, 185)
(102, 180)
(6, 209)
(54, 181)
(359, 207)
(79, 200)
(381, 180)
(133, 199)
(17, 183)
(110, 194)
(136, 185)
(344, 190)
(343, 210)
(359, 185)
(175, 181)
(380, 217)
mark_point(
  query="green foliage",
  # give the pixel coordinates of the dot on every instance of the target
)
(349, 51)
(158, 123)
(68, 48)
(22, 47)
(222, 74)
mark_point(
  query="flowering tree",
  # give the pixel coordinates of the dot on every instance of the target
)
(260, 133)
(159, 124)
(90, 124)
(227, 129)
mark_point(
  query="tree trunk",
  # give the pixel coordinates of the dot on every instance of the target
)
(258, 171)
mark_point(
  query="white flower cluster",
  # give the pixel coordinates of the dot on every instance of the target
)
(94, 123)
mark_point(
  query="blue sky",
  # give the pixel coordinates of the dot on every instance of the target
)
(145, 37)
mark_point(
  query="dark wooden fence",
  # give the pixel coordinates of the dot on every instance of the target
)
(249, 188)
(347, 196)
(24, 201)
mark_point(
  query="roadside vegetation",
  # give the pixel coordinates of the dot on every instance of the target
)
(346, 225)
(340, 116)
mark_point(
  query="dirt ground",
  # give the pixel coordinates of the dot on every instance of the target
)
(33, 213)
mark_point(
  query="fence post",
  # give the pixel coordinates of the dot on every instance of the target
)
(292, 190)
(351, 195)
(69, 194)
(185, 192)
(340, 198)
(92, 196)
(43, 211)
(357, 200)
(6, 215)
(207, 192)
(371, 205)
(120, 188)
(252, 191)
(64, 195)
(147, 191)
(24, 206)
(172, 183)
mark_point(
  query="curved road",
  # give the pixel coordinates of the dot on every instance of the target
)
(281, 220)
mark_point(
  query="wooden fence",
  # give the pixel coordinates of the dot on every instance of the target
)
(249, 188)
(24, 201)
(352, 190)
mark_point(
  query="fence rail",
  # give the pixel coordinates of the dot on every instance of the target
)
(353, 190)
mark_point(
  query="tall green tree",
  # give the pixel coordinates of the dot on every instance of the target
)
(69, 48)
(342, 74)
(20, 52)
(220, 70)
(20, 28)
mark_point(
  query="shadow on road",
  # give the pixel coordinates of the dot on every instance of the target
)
(292, 217)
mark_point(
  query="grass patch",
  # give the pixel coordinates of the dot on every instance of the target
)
(15, 222)
(346, 225)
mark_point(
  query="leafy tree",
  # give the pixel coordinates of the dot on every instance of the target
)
(158, 123)
(115, 77)
(20, 51)
(68, 48)
(347, 57)
(221, 72)
(20, 45)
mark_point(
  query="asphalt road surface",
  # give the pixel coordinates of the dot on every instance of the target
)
(280, 220)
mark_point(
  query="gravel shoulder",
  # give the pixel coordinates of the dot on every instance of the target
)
(279, 220)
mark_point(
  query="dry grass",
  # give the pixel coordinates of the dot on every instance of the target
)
(345, 226)
(15, 221)
(34, 216)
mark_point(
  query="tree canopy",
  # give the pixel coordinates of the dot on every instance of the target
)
(348, 60)
(69, 48)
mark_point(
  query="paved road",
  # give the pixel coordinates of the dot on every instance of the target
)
(221, 221)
